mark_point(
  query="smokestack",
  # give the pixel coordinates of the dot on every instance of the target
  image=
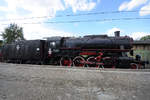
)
(117, 33)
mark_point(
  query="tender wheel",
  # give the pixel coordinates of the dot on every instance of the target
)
(92, 62)
(134, 66)
(79, 61)
(65, 61)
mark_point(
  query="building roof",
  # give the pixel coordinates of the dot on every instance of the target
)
(141, 42)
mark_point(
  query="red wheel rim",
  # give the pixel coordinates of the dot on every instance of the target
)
(79, 61)
(65, 61)
(134, 66)
(92, 62)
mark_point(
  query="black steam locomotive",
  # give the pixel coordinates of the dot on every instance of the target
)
(88, 51)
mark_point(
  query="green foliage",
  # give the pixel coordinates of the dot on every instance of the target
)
(1, 42)
(145, 37)
(13, 33)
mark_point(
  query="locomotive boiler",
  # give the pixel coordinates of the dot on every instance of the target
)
(88, 51)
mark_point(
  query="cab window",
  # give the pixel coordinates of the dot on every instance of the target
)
(52, 44)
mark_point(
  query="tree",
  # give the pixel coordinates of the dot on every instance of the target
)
(13, 33)
(145, 37)
(1, 42)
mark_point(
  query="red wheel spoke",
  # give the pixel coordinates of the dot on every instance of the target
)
(79, 61)
(65, 61)
(92, 62)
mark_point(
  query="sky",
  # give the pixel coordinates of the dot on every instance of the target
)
(66, 17)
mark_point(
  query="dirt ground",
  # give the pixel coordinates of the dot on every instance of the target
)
(45, 82)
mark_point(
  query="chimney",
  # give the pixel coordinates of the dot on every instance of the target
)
(117, 33)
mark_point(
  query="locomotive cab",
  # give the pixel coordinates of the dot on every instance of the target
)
(53, 45)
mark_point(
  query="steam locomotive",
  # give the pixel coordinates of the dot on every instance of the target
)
(88, 51)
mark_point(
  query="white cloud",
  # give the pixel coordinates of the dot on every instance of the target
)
(47, 7)
(38, 31)
(145, 10)
(138, 35)
(131, 4)
(123, 6)
(134, 35)
(80, 5)
(110, 32)
(36, 8)
(3, 9)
